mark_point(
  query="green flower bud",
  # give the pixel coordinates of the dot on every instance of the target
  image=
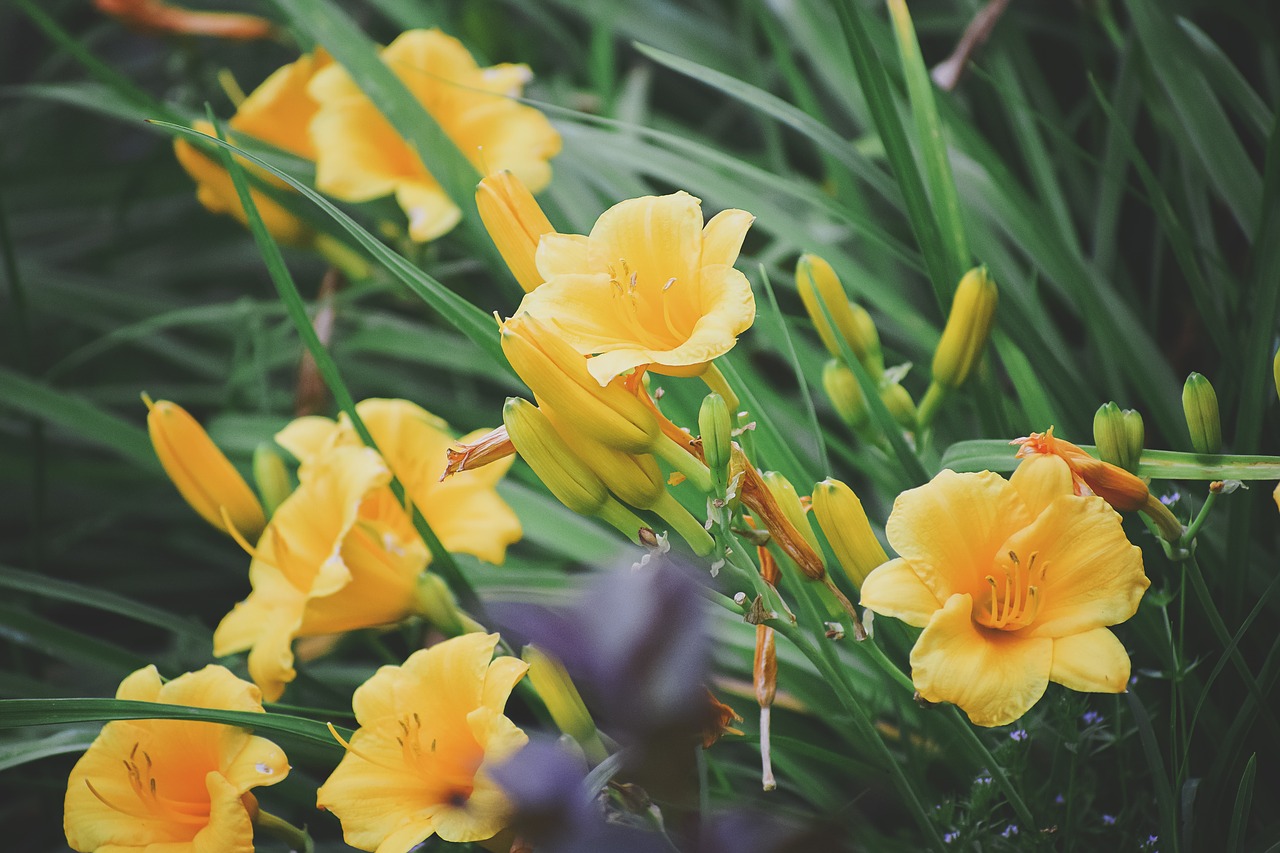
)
(968, 327)
(271, 476)
(436, 604)
(716, 428)
(563, 702)
(1200, 405)
(1119, 436)
(899, 403)
(845, 394)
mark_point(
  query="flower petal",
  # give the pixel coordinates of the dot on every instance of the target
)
(993, 676)
(894, 589)
(1040, 479)
(723, 235)
(308, 437)
(503, 675)
(951, 529)
(359, 155)
(659, 237)
(1092, 662)
(431, 213)
(1093, 574)
(229, 829)
(561, 254)
(258, 762)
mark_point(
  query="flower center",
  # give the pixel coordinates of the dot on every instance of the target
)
(626, 300)
(151, 804)
(1011, 602)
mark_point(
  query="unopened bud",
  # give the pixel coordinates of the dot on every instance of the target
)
(899, 403)
(1200, 405)
(205, 478)
(845, 394)
(569, 478)
(792, 530)
(564, 703)
(272, 477)
(515, 223)
(968, 327)
(1118, 435)
(845, 524)
(819, 285)
(435, 602)
(716, 429)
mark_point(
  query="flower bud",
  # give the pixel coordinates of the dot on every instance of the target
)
(205, 478)
(563, 701)
(716, 429)
(845, 524)
(557, 375)
(569, 478)
(1118, 435)
(845, 394)
(1123, 490)
(818, 284)
(899, 403)
(515, 223)
(635, 479)
(968, 327)
(271, 476)
(792, 530)
(1200, 405)
(436, 603)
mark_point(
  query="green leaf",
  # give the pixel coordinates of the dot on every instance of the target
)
(15, 753)
(1240, 811)
(998, 455)
(61, 643)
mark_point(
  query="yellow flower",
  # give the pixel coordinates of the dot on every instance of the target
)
(464, 510)
(205, 478)
(430, 731)
(361, 157)
(515, 222)
(339, 554)
(650, 286)
(176, 785)
(278, 112)
(1014, 582)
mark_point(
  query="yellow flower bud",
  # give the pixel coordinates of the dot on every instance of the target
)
(636, 480)
(271, 476)
(845, 394)
(968, 326)
(817, 282)
(788, 502)
(715, 427)
(1118, 435)
(563, 702)
(899, 403)
(1200, 405)
(205, 478)
(842, 519)
(558, 377)
(563, 472)
(515, 222)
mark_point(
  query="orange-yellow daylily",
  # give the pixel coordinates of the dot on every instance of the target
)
(361, 156)
(464, 510)
(651, 285)
(1014, 582)
(430, 731)
(175, 785)
(339, 554)
(205, 478)
(278, 112)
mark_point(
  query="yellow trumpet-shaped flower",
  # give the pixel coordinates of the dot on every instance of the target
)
(175, 785)
(1014, 582)
(430, 731)
(361, 156)
(205, 478)
(278, 112)
(516, 223)
(651, 285)
(464, 510)
(339, 554)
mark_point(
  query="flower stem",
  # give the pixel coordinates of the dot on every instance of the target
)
(715, 381)
(1200, 518)
(297, 839)
(682, 521)
(683, 461)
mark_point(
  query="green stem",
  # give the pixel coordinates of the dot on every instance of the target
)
(716, 381)
(682, 521)
(683, 461)
(933, 399)
(1194, 527)
(621, 519)
(297, 839)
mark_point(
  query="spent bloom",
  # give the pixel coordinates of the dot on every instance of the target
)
(278, 112)
(1014, 582)
(650, 285)
(360, 156)
(181, 786)
(430, 733)
(157, 17)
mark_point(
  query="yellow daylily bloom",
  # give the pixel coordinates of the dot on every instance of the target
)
(278, 112)
(464, 510)
(205, 478)
(515, 222)
(340, 554)
(651, 285)
(1014, 582)
(361, 156)
(177, 785)
(430, 730)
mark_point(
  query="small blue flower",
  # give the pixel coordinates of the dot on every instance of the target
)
(984, 779)
(1091, 717)
(1059, 799)
(1010, 830)
(1171, 498)
(950, 836)
(1018, 734)
(1109, 820)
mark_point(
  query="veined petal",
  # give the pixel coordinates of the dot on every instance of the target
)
(585, 311)
(1092, 662)
(359, 156)
(727, 308)
(431, 213)
(723, 235)
(1040, 480)
(460, 663)
(993, 676)
(308, 437)
(229, 829)
(894, 589)
(951, 529)
(660, 237)
(257, 762)
(562, 254)
(1093, 576)
(501, 678)
(279, 110)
